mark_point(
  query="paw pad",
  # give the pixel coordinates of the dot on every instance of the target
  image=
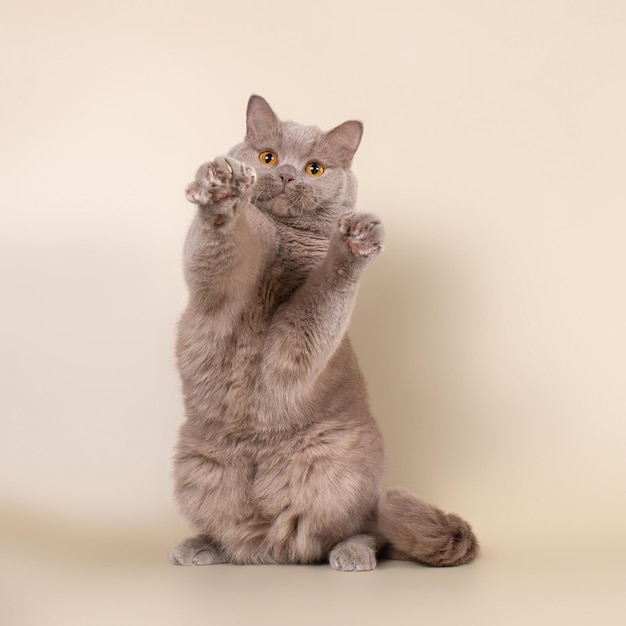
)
(363, 233)
(220, 179)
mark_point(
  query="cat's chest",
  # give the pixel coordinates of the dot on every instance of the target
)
(287, 271)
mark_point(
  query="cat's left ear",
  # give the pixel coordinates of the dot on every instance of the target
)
(344, 140)
(259, 117)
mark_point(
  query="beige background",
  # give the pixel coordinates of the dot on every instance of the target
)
(491, 330)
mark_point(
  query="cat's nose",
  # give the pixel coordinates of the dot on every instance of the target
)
(287, 173)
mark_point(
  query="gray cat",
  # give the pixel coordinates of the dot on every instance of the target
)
(280, 460)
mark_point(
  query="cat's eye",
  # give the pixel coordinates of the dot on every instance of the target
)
(314, 169)
(268, 158)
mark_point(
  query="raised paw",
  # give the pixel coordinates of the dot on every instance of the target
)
(196, 551)
(354, 555)
(223, 178)
(363, 234)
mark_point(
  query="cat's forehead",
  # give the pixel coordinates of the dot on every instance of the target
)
(296, 140)
(305, 137)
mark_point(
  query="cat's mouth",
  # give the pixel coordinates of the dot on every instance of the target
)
(272, 198)
(295, 200)
(277, 204)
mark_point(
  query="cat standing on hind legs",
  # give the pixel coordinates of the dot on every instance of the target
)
(279, 459)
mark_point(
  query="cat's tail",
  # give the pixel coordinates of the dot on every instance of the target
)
(413, 530)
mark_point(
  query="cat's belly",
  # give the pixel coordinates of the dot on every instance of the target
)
(281, 501)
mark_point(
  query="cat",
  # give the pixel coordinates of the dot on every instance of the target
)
(279, 459)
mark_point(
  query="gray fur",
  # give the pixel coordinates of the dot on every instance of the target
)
(279, 459)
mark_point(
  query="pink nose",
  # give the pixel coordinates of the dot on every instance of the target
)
(286, 178)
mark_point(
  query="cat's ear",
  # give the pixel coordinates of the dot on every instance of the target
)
(259, 117)
(344, 140)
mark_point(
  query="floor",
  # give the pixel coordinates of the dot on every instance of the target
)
(104, 576)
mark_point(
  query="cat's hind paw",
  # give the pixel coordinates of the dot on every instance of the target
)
(356, 554)
(196, 551)
(222, 178)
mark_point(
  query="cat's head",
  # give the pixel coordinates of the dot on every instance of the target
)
(303, 173)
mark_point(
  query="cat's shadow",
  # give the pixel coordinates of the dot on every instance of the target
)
(406, 336)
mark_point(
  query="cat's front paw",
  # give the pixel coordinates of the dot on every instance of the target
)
(220, 179)
(196, 551)
(361, 234)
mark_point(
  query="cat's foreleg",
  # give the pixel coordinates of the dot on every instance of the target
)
(221, 251)
(308, 328)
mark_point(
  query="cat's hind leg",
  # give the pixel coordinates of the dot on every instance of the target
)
(355, 554)
(198, 550)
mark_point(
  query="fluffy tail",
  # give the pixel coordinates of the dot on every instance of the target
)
(415, 531)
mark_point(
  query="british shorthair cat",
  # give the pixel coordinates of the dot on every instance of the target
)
(279, 459)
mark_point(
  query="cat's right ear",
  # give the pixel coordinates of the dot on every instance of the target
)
(259, 117)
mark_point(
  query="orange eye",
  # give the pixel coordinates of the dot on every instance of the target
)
(314, 169)
(268, 158)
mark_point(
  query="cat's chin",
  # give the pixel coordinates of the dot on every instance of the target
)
(278, 205)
